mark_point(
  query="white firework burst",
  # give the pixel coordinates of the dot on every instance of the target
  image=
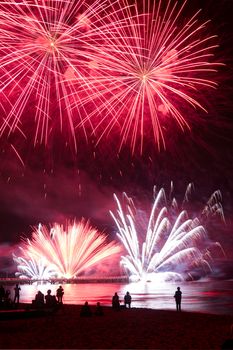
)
(169, 248)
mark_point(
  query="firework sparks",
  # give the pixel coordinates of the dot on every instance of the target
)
(107, 67)
(43, 47)
(64, 252)
(33, 269)
(172, 248)
(156, 69)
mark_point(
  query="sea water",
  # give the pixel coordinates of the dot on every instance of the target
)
(200, 296)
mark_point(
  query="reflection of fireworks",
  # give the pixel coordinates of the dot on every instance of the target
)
(64, 252)
(173, 249)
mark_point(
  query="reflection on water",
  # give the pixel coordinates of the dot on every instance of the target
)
(209, 296)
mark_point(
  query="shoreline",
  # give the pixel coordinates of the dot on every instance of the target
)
(133, 328)
(27, 306)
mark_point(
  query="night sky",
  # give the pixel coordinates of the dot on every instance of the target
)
(55, 183)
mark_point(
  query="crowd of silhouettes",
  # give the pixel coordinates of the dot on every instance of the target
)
(87, 312)
(48, 300)
(128, 299)
(51, 301)
(116, 301)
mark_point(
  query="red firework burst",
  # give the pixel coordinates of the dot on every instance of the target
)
(157, 70)
(44, 46)
(110, 66)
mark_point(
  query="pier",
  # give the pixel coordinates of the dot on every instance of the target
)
(82, 279)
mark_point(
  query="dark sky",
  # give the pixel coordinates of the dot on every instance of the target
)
(55, 183)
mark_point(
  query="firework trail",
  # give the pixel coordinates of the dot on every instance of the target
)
(157, 69)
(171, 248)
(63, 251)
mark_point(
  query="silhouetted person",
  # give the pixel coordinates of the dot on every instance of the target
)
(228, 343)
(178, 296)
(99, 310)
(17, 290)
(85, 310)
(115, 302)
(39, 300)
(50, 300)
(2, 294)
(127, 300)
(60, 293)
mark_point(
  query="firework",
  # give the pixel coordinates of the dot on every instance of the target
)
(64, 252)
(44, 46)
(106, 67)
(35, 269)
(157, 70)
(173, 247)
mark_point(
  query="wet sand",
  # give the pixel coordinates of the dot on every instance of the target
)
(126, 329)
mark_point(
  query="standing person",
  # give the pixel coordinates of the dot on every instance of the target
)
(178, 296)
(17, 290)
(127, 300)
(60, 293)
(115, 302)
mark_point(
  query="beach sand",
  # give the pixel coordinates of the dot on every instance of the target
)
(125, 329)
